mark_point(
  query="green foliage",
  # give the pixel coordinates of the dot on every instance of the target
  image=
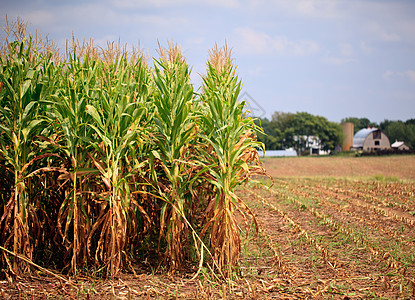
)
(400, 131)
(231, 148)
(100, 154)
(176, 131)
(359, 123)
(287, 130)
(21, 120)
(271, 135)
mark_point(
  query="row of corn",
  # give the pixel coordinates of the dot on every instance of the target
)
(104, 158)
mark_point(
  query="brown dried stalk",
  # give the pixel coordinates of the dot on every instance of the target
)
(38, 267)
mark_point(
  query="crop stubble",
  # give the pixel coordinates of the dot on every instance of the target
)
(335, 236)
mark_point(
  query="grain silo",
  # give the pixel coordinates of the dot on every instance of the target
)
(348, 131)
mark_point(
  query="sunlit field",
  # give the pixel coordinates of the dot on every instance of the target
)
(340, 234)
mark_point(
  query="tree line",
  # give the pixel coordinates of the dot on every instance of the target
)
(293, 130)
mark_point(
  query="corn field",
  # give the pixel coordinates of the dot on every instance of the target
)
(103, 156)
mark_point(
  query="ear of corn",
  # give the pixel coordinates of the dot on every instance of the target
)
(103, 152)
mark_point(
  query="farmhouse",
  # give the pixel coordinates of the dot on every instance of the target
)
(398, 145)
(311, 143)
(370, 139)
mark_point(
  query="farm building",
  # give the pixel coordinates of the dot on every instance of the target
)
(277, 153)
(311, 143)
(370, 139)
(400, 146)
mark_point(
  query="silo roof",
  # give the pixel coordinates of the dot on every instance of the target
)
(360, 136)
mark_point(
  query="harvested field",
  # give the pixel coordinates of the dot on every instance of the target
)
(402, 167)
(336, 238)
(329, 228)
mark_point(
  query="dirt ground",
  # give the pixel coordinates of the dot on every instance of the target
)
(329, 228)
(402, 167)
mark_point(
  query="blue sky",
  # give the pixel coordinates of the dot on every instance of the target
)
(337, 59)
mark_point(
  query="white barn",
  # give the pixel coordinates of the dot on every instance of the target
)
(370, 139)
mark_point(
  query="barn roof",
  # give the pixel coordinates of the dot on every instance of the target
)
(360, 136)
(397, 144)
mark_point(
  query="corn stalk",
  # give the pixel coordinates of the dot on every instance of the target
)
(96, 150)
(176, 129)
(230, 157)
(118, 122)
(20, 121)
(75, 88)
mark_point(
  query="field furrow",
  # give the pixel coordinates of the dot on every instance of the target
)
(389, 221)
(332, 243)
(389, 194)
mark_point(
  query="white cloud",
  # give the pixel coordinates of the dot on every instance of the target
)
(223, 3)
(366, 48)
(324, 9)
(407, 30)
(133, 4)
(346, 49)
(388, 75)
(410, 74)
(338, 60)
(388, 21)
(253, 41)
(344, 54)
(257, 42)
(390, 37)
(40, 18)
(391, 75)
(317, 8)
(198, 40)
(128, 4)
(379, 31)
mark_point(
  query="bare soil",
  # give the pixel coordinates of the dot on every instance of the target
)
(402, 167)
(328, 247)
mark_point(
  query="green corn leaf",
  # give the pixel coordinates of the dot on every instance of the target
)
(95, 115)
(27, 131)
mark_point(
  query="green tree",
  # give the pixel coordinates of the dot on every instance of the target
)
(410, 139)
(400, 131)
(359, 123)
(271, 137)
(287, 130)
(302, 126)
(331, 135)
(282, 122)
